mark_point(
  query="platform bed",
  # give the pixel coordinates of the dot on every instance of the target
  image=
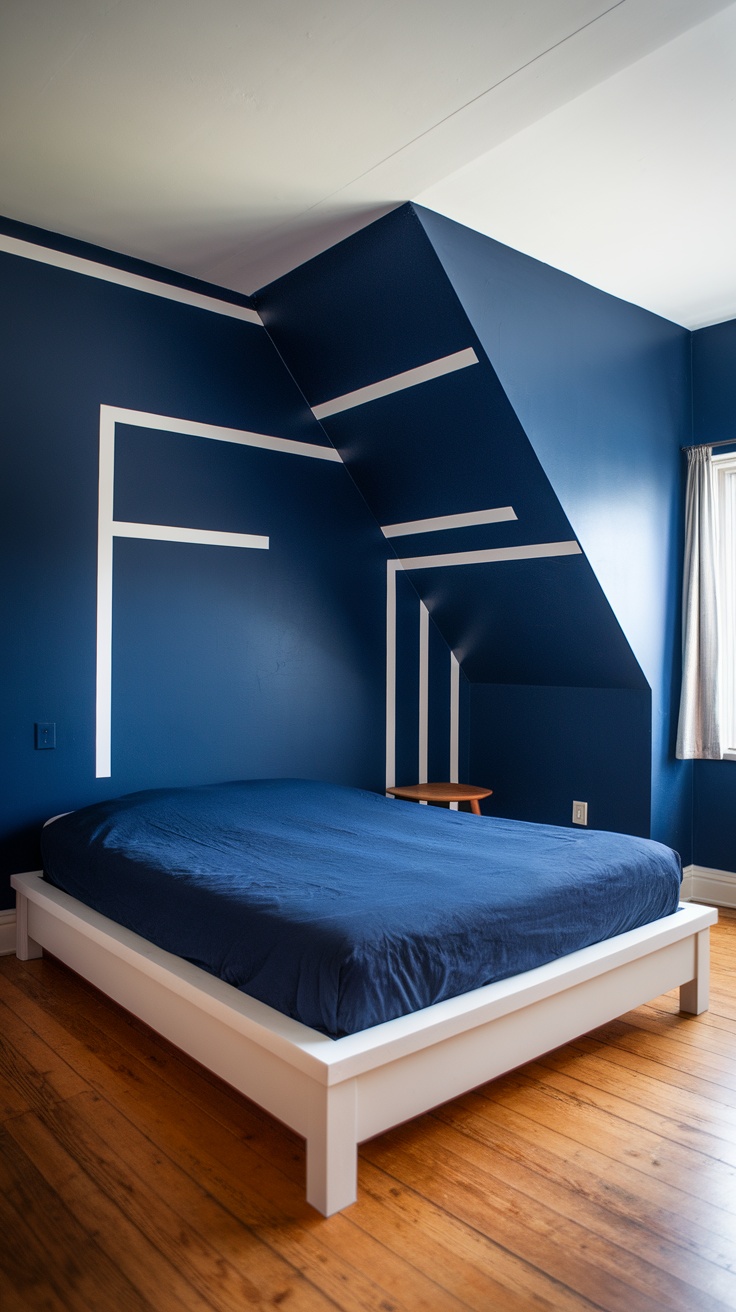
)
(338, 1093)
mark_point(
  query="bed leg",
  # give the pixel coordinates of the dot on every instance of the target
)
(26, 948)
(332, 1149)
(694, 995)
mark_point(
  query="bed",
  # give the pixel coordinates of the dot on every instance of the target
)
(349, 961)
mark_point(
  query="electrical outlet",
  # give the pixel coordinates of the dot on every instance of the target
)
(580, 813)
(45, 734)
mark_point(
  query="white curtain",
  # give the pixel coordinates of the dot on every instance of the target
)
(698, 732)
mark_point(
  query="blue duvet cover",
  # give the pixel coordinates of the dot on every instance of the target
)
(343, 908)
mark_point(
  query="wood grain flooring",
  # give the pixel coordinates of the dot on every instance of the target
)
(601, 1176)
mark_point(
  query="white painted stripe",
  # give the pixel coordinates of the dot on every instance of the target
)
(441, 522)
(201, 536)
(391, 568)
(103, 711)
(533, 551)
(122, 278)
(454, 721)
(423, 693)
(215, 433)
(111, 415)
(447, 364)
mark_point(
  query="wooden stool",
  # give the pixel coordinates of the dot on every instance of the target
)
(442, 794)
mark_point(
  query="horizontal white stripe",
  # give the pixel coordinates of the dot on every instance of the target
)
(440, 522)
(202, 536)
(533, 551)
(240, 436)
(122, 278)
(447, 364)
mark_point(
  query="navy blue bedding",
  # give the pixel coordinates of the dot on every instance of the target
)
(343, 908)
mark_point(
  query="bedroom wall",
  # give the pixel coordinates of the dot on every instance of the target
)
(227, 660)
(714, 420)
(602, 389)
(532, 632)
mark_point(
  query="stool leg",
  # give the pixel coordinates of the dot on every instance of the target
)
(475, 806)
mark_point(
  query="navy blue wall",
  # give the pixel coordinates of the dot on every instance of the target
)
(226, 662)
(602, 389)
(540, 748)
(382, 303)
(714, 420)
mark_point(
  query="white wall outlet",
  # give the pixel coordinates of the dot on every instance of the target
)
(580, 813)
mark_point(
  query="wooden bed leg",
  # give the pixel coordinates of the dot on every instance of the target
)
(26, 948)
(694, 995)
(332, 1149)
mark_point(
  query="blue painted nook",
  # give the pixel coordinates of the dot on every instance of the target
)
(435, 467)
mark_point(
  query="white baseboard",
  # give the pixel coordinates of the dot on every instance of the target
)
(716, 887)
(7, 933)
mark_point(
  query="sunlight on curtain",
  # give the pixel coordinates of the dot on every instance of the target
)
(698, 732)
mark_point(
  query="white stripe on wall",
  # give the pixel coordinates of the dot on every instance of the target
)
(441, 522)
(108, 529)
(216, 433)
(103, 709)
(454, 722)
(423, 754)
(532, 551)
(122, 278)
(391, 568)
(447, 364)
(201, 536)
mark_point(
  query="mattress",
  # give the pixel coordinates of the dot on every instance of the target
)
(343, 908)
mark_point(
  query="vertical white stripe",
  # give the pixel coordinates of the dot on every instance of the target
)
(103, 711)
(454, 722)
(391, 567)
(423, 691)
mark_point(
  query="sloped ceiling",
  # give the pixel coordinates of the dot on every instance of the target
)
(231, 141)
(381, 304)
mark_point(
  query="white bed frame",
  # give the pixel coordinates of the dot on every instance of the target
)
(337, 1093)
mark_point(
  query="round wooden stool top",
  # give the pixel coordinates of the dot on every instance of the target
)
(442, 794)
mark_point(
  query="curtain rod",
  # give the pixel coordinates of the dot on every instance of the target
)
(727, 441)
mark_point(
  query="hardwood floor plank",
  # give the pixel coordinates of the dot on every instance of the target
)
(602, 1176)
(580, 1199)
(154, 1248)
(688, 1159)
(567, 1252)
(248, 1184)
(608, 1181)
(483, 1272)
(44, 1245)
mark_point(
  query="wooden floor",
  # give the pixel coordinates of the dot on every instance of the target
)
(603, 1176)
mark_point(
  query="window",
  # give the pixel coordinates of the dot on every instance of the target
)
(724, 468)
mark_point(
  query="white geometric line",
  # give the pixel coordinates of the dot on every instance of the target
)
(391, 568)
(216, 433)
(103, 692)
(440, 522)
(454, 722)
(447, 364)
(534, 551)
(202, 537)
(423, 753)
(136, 281)
(110, 415)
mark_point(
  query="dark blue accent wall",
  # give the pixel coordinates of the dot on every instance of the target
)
(384, 302)
(714, 420)
(602, 389)
(226, 662)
